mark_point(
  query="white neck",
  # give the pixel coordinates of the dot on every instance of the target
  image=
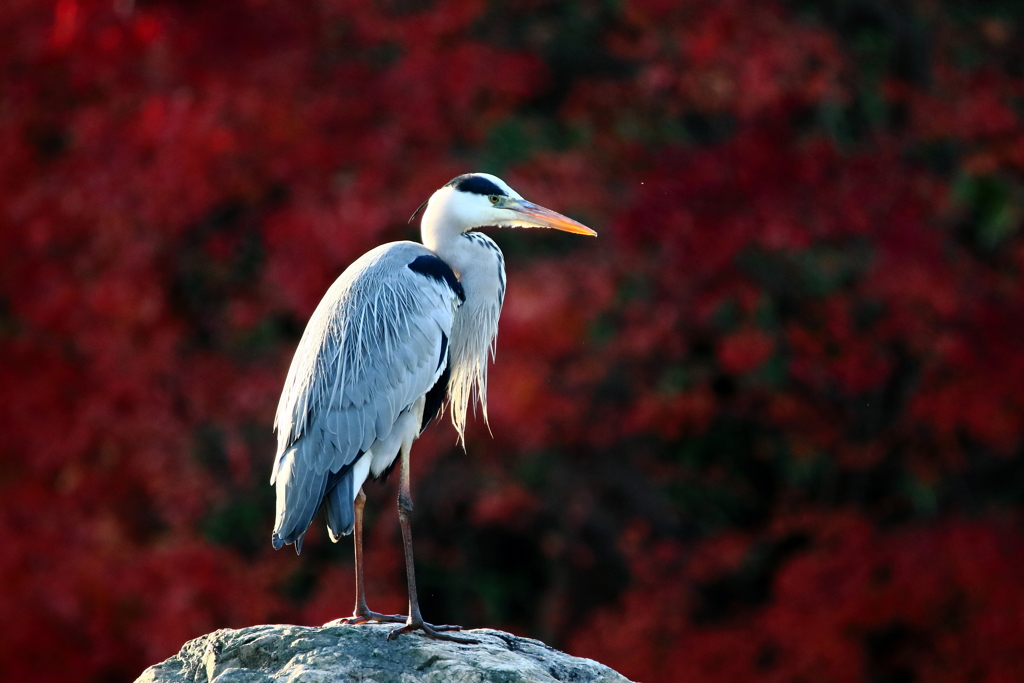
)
(480, 267)
(442, 222)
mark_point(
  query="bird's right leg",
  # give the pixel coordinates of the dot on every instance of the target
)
(362, 613)
(415, 621)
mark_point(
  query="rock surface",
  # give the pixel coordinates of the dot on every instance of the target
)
(301, 654)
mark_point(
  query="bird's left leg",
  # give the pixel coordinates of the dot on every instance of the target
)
(415, 621)
(362, 614)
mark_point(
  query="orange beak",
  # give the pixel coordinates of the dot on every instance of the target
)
(538, 217)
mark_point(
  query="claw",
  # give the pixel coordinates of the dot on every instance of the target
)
(431, 631)
(365, 617)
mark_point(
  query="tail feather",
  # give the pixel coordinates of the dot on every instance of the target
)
(340, 514)
(299, 492)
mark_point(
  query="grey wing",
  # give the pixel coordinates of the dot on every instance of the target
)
(373, 346)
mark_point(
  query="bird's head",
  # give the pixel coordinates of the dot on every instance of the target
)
(475, 200)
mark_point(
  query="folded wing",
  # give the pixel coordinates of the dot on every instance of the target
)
(376, 343)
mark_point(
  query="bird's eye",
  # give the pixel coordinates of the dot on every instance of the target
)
(493, 198)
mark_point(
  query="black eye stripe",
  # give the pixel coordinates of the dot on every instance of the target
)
(470, 182)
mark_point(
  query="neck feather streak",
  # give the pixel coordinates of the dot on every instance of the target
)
(480, 266)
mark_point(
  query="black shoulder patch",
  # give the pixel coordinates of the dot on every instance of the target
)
(477, 184)
(444, 350)
(432, 266)
(435, 397)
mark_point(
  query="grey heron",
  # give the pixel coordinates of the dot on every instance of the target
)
(404, 328)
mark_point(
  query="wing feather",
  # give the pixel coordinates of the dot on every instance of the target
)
(369, 352)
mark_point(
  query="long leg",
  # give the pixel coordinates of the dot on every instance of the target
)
(415, 621)
(362, 613)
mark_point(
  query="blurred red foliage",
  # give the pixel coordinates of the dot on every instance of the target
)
(767, 427)
(849, 603)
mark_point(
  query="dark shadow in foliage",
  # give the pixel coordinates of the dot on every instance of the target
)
(750, 586)
(201, 286)
(221, 257)
(887, 36)
(508, 575)
(49, 141)
(707, 129)
(890, 653)
(568, 36)
(725, 478)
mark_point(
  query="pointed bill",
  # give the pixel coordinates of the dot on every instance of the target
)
(538, 216)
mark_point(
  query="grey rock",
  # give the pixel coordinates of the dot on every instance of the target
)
(301, 654)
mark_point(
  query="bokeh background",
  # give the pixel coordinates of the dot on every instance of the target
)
(767, 427)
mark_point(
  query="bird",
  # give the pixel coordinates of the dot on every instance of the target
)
(405, 330)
